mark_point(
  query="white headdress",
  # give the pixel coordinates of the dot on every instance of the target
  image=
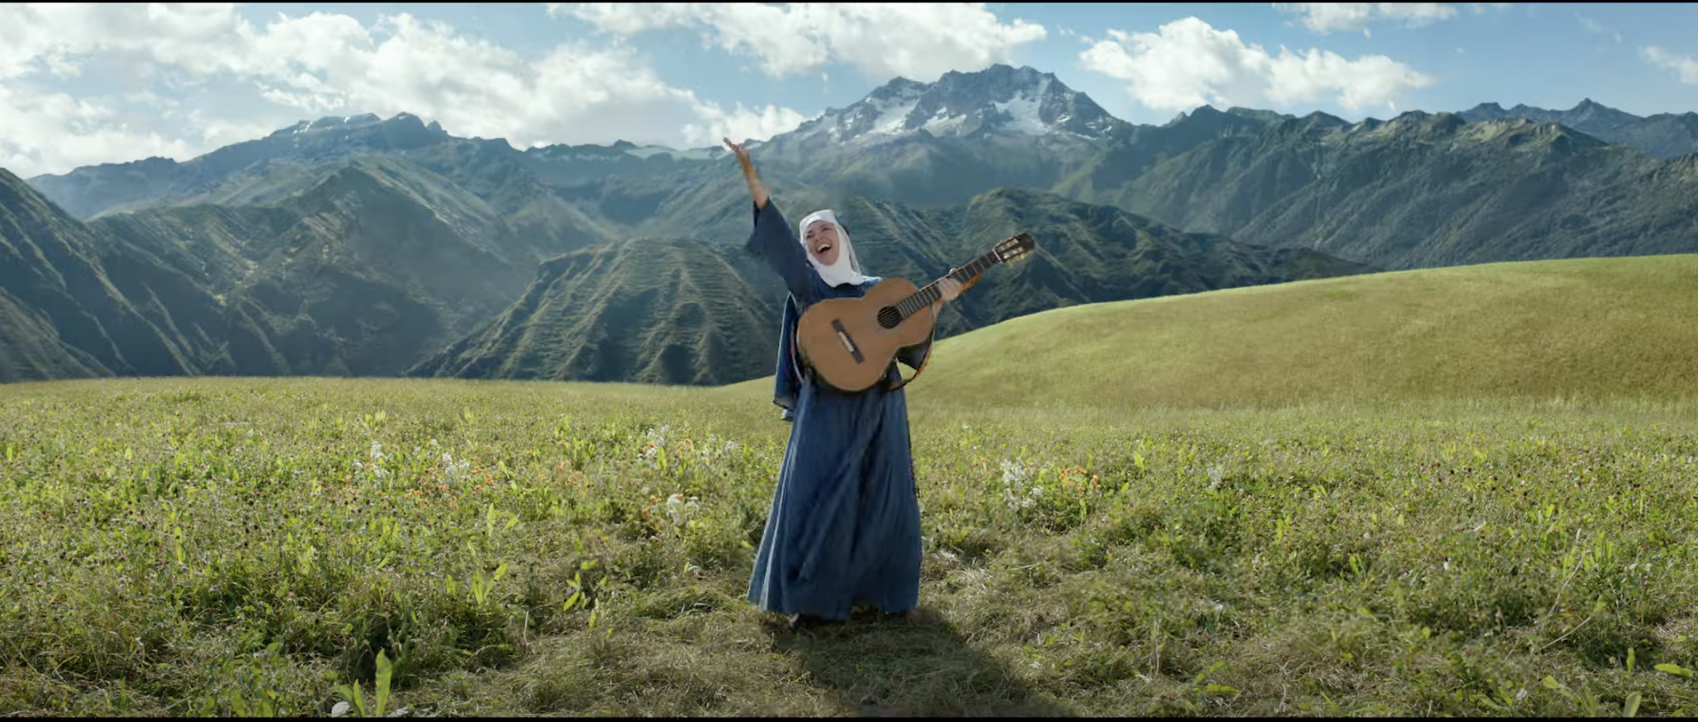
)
(846, 269)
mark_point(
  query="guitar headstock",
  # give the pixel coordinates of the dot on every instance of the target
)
(1015, 248)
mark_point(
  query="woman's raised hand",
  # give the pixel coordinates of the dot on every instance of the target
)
(741, 151)
(757, 190)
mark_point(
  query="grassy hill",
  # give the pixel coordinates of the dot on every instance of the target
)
(1586, 327)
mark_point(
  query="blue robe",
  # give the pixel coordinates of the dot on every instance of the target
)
(844, 529)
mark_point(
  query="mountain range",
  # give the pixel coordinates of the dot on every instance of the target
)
(368, 246)
(1664, 135)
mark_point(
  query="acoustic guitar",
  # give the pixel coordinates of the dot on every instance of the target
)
(851, 342)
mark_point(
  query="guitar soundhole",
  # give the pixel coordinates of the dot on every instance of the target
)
(889, 317)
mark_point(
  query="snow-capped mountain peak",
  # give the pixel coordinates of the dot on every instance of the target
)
(999, 100)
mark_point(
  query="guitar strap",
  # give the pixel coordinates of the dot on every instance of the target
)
(927, 361)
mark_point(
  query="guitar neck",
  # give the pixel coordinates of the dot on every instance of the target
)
(931, 293)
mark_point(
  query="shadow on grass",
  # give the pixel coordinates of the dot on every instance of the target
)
(918, 666)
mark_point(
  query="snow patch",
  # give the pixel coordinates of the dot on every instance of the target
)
(942, 124)
(698, 154)
(1023, 111)
(889, 115)
(892, 114)
(649, 151)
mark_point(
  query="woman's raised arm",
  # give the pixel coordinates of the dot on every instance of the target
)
(773, 239)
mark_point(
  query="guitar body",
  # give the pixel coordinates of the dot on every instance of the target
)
(847, 345)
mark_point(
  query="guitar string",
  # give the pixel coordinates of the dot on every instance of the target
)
(911, 305)
(924, 297)
(908, 306)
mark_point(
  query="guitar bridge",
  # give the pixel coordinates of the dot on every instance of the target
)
(848, 345)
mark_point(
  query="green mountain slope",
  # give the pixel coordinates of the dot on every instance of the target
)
(1424, 191)
(1129, 155)
(264, 167)
(78, 302)
(647, 310)
(217, 246)
(1546, 329)
(700, 314)
(30, 347)
(366, 271)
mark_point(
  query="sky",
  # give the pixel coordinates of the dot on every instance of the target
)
(88, 84)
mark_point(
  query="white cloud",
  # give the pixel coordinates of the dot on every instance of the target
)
(1187, 63)
(321, 64)
(45, 130)
(741, 124)
(1596, 28)
(920, 41)
(1682, 66)
(1326, 18)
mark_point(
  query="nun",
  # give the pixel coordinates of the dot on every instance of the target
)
(844, 528)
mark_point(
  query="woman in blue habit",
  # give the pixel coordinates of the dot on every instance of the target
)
(844, 529)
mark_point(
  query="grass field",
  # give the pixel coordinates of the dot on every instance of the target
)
(285, 545)
(227, 546)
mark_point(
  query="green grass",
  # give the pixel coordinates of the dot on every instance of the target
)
(195, 546)
(1591, 328)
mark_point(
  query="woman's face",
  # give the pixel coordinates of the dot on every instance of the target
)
(821, 240)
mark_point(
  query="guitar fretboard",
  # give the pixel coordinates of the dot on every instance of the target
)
(931, 293)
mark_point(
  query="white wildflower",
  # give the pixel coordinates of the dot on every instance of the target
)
(657, 436)
(1015, 491)
(374, 461)
(454, 470)
(681, 509)
(656, 445)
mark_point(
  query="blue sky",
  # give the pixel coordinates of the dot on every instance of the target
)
(111, 83)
